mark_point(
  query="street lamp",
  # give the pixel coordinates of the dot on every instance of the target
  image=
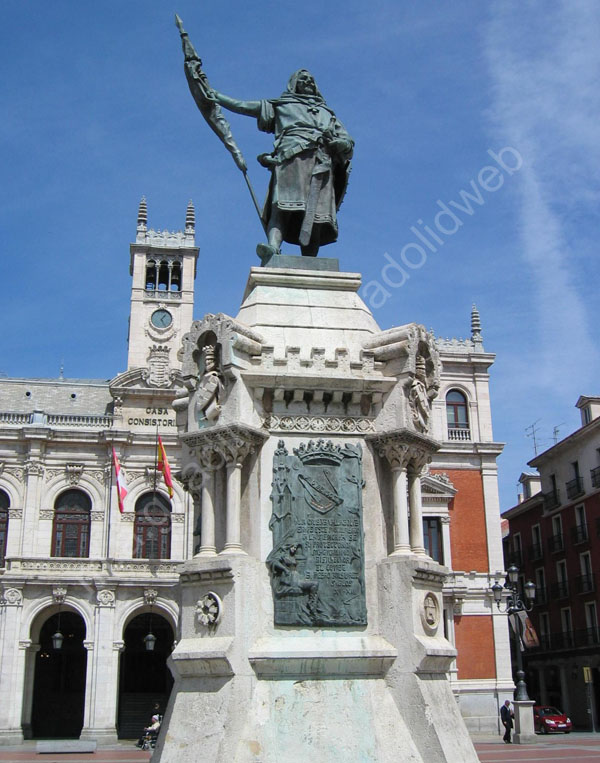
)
(150, 638)
(58, 638)
(515, 605)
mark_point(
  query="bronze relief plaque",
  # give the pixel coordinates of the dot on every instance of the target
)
(317, 561)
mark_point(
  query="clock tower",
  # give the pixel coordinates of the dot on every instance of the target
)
(163, 267)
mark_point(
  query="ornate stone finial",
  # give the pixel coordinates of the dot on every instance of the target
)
(142, 219)
(476, 326)
(190, 218)
(475, 321)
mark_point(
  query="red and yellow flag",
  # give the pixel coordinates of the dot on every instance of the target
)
(163, 466)
(121, 487)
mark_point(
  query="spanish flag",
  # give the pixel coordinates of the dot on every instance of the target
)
(121, 488)
(163, 466)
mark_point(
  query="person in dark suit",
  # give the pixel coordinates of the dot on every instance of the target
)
(506, 716)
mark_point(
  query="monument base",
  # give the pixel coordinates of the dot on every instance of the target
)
(242, 694)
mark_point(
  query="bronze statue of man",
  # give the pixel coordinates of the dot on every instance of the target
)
(309, 164)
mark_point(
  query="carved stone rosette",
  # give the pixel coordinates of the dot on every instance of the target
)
(209, 609)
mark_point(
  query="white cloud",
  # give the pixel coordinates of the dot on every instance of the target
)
(545, 61)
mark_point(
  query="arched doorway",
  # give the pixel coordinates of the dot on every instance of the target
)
(59, 679)
(144, 678)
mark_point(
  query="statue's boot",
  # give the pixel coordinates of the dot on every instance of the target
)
(266, 251)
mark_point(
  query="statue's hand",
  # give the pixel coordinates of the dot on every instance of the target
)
(267, 160)
(340, 146)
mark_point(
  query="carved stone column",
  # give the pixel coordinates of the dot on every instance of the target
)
(207, 537)
(233, 538)
(416, 510)
(407, 452)
(397, 455)
(236, 445)
(217, 447)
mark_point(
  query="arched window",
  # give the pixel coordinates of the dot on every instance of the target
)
(457, 416)
(176, 277)
(4, 506)
(150, 275)
(152, 528)
(71, 528)
(163, 276)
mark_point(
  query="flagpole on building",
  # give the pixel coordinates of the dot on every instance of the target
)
(112, 466)
(155, 460)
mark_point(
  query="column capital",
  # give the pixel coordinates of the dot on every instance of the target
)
(402, 446)
(224, 445)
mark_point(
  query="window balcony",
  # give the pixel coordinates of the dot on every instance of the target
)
(585, 583)
(579, 534)
(162, 294)
(563, 640)
(595, 475)
(459, 433)
(535, 552)
(574, 487)
(551, 500)
(560, 590)
(588, 636)
(545, 641)
(556, 543)
(541, 596)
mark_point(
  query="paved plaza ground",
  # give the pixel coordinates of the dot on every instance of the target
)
(576, 747)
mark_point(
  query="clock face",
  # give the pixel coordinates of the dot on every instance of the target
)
(161, 319)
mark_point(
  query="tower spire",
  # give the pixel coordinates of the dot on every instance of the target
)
(476, 327)
(142, 218)
(190, 218)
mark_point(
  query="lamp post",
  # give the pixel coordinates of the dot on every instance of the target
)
(515, 605)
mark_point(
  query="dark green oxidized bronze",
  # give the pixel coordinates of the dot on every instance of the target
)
(317, 561)
(309, 163)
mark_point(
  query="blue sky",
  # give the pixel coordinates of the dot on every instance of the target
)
(97, 113)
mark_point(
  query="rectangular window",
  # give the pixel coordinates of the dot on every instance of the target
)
(561, 589)
(557, 525)
(567, 626)
(565, 617)
(544, 634)
(587, 415)
(536, 552)
(432, 536)
(591, 615)
(517, 548)
(541, 595)
(585, 561)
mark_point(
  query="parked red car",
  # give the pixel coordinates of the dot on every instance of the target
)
(547, 719)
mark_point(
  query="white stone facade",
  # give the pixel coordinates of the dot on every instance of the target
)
(58, 435)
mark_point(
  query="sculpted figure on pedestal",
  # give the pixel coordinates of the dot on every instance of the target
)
(210, 387)
(309, 163)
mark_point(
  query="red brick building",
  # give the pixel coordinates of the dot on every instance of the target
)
(555, 541)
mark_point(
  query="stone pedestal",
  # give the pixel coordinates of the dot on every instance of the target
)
(312, 622)
(524, 728)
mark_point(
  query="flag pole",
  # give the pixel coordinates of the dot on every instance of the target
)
(112, 467)
(210, 109)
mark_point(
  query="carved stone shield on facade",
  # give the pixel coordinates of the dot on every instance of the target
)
(317, 561)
